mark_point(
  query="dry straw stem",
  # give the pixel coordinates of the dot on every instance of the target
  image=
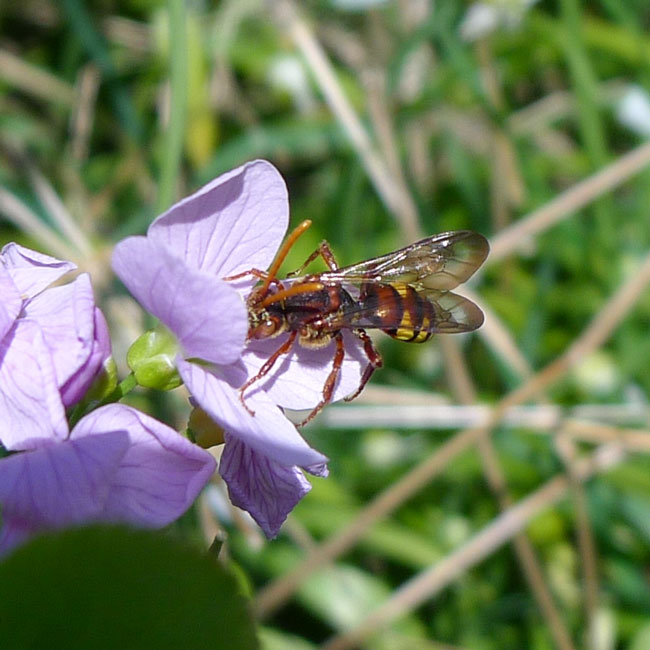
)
(83, 111)
(391, 411)
(500, 530)
(568, 451)
(498, 337)
(33, 80)
(459, 379)
(592, 337)
(59, 214)
(573, 199)
(630, 439)
(496, 479)
(24, 219)
(396, 199)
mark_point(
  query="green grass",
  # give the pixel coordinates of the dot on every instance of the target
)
(141, 102)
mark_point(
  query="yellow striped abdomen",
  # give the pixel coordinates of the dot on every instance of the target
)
(398, 310)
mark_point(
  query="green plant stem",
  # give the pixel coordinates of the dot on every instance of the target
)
(178, 75)
(122, 389)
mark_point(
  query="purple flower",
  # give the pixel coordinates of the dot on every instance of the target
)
(53, 343)
(234, 224)
(116, 465)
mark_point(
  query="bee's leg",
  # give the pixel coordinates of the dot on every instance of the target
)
(374, 361)
(254, 273)
(323, 251)
(266, 368)
(330, 382)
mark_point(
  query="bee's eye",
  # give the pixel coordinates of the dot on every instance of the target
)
(266, 329)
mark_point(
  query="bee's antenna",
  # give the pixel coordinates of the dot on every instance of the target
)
(282, 253)
(295, 290)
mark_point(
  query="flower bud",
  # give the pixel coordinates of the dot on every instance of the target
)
(204, 431)
(152, 359)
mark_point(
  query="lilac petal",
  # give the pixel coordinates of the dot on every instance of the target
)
(31, 411)
(61, 483)
(297, 379)
(207, 315)
(10, 301)
(75, 388)
(31, 271)
(232, 224)
(268, 432)
(13, 534)
(321, 470)
(66, 316)
(161, 473)
(267, 489)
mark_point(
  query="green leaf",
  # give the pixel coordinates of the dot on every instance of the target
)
(112, 587)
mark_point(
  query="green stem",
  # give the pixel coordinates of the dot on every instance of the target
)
(122, 389)
(178, 75)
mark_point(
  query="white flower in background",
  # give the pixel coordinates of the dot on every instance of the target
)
(288, 75)
(482, 18)
(357, 5)
(633, 111)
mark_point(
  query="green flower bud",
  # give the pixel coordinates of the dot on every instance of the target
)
(203, 430)
(151, 359)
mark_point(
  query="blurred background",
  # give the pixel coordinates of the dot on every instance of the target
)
(487, 491)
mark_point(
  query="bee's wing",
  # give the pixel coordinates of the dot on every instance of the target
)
(441, 262)
(454, 313)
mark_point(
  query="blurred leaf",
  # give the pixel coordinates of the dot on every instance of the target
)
(271, 639)
(641, 640)
(109, 587)
(343, 595)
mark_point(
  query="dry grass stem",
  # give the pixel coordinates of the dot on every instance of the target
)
(26, 220)
(586, 542)
(33, 80)
(594, 335)
(397, 201)
(498, 337)
(565, 204)
(83, 113)
(410, 413)
(502, 528)
(599, 433)
(60, 215)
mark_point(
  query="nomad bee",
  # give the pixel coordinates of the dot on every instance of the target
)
(406, 294)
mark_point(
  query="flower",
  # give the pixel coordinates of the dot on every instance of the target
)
(483, 18)
(116, 465)
(234, 224)
(53, 343)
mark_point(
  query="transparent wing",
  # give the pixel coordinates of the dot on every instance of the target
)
(440, 262)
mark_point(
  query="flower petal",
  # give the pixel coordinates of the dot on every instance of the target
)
(232, 224)
(75, 388)
(13, 533)
(31, 411)
(10, 301)
(66, 316)
(297, 379)
(267, 489)
(61, 483)
(31, 271)
(207, 315)
(268, 432)
(161, 473)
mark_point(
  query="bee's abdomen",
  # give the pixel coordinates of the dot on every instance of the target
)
(399, 311)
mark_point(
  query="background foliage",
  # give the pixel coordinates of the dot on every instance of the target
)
(391, 120)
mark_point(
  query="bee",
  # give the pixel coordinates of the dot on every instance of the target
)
(406, 294)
